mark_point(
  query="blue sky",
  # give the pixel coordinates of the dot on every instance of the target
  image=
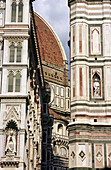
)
(56, 13)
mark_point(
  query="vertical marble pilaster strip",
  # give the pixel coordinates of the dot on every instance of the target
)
(86, 84)
(80, 38)
(105, 158)
(92, 155)
(80, 81)
(73, 39)
(86, 43)
(73, 82)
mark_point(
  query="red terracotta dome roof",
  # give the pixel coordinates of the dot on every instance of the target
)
(50, 46)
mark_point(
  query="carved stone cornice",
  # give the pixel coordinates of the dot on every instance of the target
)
(16, 37)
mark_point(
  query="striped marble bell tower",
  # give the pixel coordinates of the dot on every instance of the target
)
(90, 47)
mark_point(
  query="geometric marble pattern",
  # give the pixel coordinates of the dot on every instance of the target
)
(72, 155)
(109, 156)
(99, 156)
(82, 155)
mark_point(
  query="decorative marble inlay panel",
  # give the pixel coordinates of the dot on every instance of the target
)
(99, 155)
(95, 40)
(12, 112)
(108, 154)
(82, 155)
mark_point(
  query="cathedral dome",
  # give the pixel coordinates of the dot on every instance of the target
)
(51, 49)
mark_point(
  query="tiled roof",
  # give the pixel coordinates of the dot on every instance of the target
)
(50, 49)
(52, 112)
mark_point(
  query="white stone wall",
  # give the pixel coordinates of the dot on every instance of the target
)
(18, 32)
(59, 97)
(25, 12)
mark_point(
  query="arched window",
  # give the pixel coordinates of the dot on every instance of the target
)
(17, 82)
(10, 82)
(20, 11)
(19, 50)
(13, 19)
(60, 129)
(12, 52)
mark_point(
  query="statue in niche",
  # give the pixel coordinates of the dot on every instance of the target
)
(96, 86)
(11, 144)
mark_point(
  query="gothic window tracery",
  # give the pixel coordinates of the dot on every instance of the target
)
(17, 11)
(10, 82)
(14, 80)
(15, 52)
(13, 17)
(17, 83)
(12, 52)
(20, 11)
(19, 51)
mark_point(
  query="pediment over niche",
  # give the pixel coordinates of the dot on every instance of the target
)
(12, 112)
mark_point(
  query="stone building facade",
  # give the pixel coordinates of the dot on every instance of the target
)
(21, 87)
(90, 126)
(55, 121)
(34, 91)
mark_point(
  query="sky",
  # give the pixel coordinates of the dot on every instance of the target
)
(56, 13)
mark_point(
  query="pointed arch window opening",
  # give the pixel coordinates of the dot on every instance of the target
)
(20, 12)
(19, 51)
(10, 82)
(14, 9)
(12, 52)
(15, 53)
(14, 82)
(17, 82)
(17, 11)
